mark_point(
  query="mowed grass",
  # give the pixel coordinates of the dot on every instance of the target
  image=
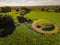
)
(23, 35)
(53, 16)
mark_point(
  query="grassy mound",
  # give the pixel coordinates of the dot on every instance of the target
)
(45, 26)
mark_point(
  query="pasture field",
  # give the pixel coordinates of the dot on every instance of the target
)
(23, 35)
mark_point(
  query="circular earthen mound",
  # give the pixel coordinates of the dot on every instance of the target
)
(45, 26)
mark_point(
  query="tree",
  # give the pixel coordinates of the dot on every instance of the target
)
(7, 25)
(57, 10)
(26, 9)
(47, 9)
(48, 27)
(42, 9)
(5, 9)
(17, 10)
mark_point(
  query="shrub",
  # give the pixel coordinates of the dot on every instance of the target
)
(48, 27)
(17, 10)
(5, 9)
(26, 9)
(57, 10)
(42, 9)
(47, 9)
(7, 25)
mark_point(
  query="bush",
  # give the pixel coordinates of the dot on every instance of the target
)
(42, 9)
(5, 9)
(57, 10)
(7, 25)
(48, 27)
(17, 10)
(47, 9)
(26, 9)
(6, 21)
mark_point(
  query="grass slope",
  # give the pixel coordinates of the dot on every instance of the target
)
(25, 36)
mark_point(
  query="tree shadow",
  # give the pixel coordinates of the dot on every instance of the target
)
(23, 19)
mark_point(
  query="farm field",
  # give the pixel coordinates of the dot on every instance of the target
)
(22, 35)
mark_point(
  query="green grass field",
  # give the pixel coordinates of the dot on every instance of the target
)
(25, 36)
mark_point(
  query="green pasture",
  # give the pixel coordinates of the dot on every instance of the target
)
(23, 35)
